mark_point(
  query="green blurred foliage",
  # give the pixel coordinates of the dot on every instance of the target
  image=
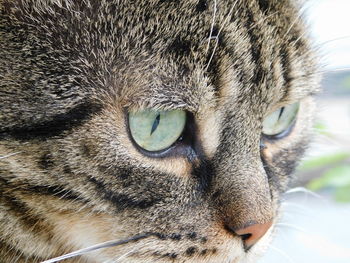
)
(324, 161)
(346, 83)
(337, 178)
(335, 169)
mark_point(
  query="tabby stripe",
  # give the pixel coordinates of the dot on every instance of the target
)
(264, 6)
(204, 174)
(286, 70)
(122, 201)
(273, 178)
(255, 47)
(20, 211)
(59, 124)
(14, 254)
(53, 190)
(56, 191)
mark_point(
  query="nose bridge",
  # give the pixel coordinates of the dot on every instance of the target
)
(240, 186)
(242, 191)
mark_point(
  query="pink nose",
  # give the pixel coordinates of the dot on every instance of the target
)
(251, 234)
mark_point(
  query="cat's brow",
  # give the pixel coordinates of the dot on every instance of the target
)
(160, 105)
(295, 95)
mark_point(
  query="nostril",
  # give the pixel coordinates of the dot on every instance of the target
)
(252, 234)
(245, 237)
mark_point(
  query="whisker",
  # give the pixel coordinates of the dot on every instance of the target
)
(212, 26)
(227, 17)
(281, 252)
(321, 72)
(125, 255)
(285, 205)
(303, 190)
(292, 226)
(301, 37)
(107, 244)
(115, 260)
(329, 133)
(261, 21)
(217, 37)
(296, 20)
(332, 40)
(334, 70)
(333, 140)
(137, 247)
(212, 54)
(9, 155)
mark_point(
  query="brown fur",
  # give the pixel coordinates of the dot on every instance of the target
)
(70, 177)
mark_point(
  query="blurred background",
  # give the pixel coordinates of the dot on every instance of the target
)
(315, 227)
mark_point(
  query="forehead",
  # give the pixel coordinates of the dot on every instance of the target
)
(188, 56)
(181, 54)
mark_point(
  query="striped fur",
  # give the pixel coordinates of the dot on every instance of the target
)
(69, 175)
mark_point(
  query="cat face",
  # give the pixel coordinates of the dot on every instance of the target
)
(172, 125)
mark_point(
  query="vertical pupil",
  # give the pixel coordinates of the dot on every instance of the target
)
(281, 112)
(155, 123)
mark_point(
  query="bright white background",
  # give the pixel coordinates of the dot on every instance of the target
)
(330, 25)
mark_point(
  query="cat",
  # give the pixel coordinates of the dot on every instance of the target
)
(170, 128)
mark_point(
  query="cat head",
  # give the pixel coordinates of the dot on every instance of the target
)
(177, 124)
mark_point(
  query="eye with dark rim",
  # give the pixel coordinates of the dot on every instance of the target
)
(281, 122)
(160, 134)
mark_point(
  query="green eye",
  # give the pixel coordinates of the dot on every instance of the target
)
(156, 130)
(280, 120)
